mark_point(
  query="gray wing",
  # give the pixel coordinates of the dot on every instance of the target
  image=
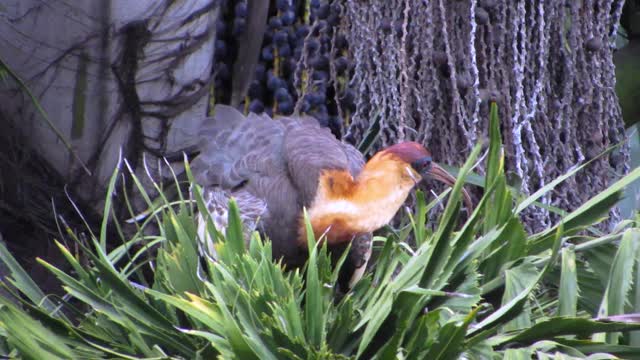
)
(234, 149)
(354, 158)
(309, 149)
(247, 154)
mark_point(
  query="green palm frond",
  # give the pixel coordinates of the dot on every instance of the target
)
(479, 289)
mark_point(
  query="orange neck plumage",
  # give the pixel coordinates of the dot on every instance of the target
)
(345, 207)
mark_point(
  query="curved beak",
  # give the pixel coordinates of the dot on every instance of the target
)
(440, 174)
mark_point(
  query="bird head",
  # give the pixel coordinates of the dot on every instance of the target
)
(415, 161)
(345, 207)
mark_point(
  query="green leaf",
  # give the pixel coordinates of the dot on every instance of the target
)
(511, 245)
(313, 309)
(340, 330)
(620, 278)
(85, 277)
(634, 336)
(590, 347)
(130, 302)
(33, 340)
(441, 250)
(474, 251)
(518, 354)
(91, 296)
(218, 342)
(407, 307)
(107, 206)
(558, 326)
(179, 260)
(512, 308)
(495, 157)
(418, 224)
(22, 281)
(462, 240)
(233, 332)
(587, 214)
(568, 289)
(551, 185)
(234, 236)
(450, 339)
(517, 281)
(200, 309)
(377, 315)
(495, 173)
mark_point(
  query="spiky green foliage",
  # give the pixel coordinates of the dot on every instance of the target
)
(480, 289)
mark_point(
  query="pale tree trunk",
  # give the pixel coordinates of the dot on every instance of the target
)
(117, 78)
(111, 75)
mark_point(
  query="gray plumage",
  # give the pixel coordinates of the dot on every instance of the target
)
(271, 165)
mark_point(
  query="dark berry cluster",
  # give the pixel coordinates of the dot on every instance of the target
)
(304, 65)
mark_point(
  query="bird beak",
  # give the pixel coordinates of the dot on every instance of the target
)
(440, 174)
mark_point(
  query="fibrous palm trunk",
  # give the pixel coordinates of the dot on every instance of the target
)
(429, 69)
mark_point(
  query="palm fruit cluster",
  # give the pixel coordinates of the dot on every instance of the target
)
(303, 66)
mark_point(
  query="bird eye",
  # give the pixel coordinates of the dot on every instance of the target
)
(422, 164)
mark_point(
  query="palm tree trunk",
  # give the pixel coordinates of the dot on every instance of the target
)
(116, 78)
(428, 69)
